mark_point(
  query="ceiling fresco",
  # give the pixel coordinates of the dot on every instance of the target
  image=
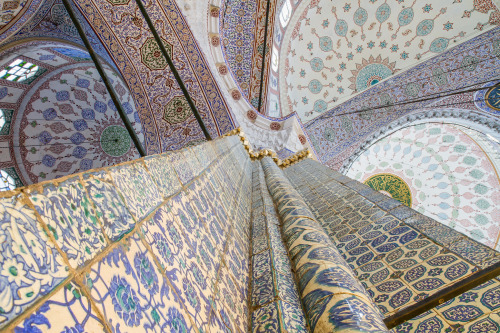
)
(242, 32)
(461, 70)
(9, 10)
(156, 94)
(61, 120)
(335, 50)
(15, 14)
(444, 171)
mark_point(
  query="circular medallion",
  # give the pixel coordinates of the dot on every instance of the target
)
(405, 16)
(391, 185)
(371, 75)
(383, 12)
(315, 86)
(316, 64)
(177, 110)
(115, 140)
(341, 28)
(492, 98)
(325, 43)
(320, 106)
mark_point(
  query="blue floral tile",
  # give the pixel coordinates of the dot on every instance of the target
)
(472, 305)
(287, 289)
(31, 265)
(167, 243)
(472, 251)
(263, 290)
(195, 292)
(293, 318)
(141, 194)
(229, 293)
(68, 310)
(132, 294)
(266, 319)
(68, 213)
(190, 157)
(187, 218)
(181, 166)
(261, 264)
(111, 211)
(163, 173)
(389, 204)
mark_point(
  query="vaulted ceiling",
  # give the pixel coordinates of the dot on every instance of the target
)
(336, 71)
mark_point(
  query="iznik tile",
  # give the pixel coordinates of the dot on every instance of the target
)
(132, 294)
(68, 310)
(31, 265)
(163, 174)
(111, 211)
(66, 210)
(137, 187)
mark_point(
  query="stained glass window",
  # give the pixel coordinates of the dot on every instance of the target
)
(2, 119)
(6, 181)
(18, 71)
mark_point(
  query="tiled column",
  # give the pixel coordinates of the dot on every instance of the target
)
(333, 298)
(275, 302)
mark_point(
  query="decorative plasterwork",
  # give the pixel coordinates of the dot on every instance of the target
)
(262, 131)
(64, 120)
(444, 172)
(334, 50)
(337, 133)
(463, 117)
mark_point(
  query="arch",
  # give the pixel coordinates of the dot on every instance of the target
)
(61, 119)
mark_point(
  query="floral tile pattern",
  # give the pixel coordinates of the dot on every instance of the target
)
(163, 174)
(30, 264)
(72, 309)
(400, 256)
(137, 187)
(66, 210)
(130, 292)
(111, 211)
(240, 248)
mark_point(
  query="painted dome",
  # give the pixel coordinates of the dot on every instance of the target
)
(58, 116)
(446, 171)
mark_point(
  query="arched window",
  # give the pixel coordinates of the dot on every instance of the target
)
(286, 13)
(18, 71)
(7, 183)
(2, 120)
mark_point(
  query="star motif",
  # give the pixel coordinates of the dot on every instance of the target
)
(371, 44)
(404, 55)
(302, 73)
(394, 48)
(350, 56)
(343, 66)
(325, 23)
(340, 90)
(347, 7)
(305, 100)
(427, 8)
(448, 26)
(359, 49)
(339, 77)
(383, 44)
(309, 46)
